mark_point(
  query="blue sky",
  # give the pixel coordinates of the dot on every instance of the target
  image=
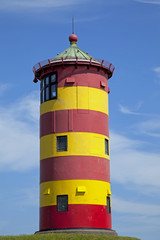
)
(124, 32)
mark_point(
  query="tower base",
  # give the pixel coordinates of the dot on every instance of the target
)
(81, 231)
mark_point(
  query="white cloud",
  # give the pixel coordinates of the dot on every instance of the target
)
(130, 164)
(126, 110)
(28, 107)
(137, 219)
(141, 226)
(19, 134)
(157, 71)
(27, 197)
(156, 2)
(150, 127)
(36, 4)
(123, 206)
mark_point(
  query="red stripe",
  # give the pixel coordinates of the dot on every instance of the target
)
(72, 69)
(86, 80)
(73, 120)
(77, 216)
(82, 77)
(74, 167)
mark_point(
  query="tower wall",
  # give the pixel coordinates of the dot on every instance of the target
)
(82, 173)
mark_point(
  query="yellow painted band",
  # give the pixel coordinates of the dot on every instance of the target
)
(78, 143)
(95, 192)
(77, 98)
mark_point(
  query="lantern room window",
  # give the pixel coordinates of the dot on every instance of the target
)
(49, 87)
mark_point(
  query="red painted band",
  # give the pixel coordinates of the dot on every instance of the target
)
(73, 120)
(79, 76)
(74, 167)
(85, 79)
(77, 216)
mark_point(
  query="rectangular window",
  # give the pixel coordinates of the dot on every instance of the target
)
(49, 87)
(53, 86)
(61, 143)
(42, 91)
(106, 146)
(108, 205)
(53, 91)
(47, 93)
(47, 80)
(62, 203)
(53, 78)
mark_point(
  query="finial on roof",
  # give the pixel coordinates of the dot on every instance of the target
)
(73, 38)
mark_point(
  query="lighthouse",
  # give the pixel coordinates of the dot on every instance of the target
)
(75, 191)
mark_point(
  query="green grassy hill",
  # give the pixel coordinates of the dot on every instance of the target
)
(64, 237)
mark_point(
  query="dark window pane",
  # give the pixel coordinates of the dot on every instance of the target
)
(53, 91)
(53, 78)
(42, 84)
(108, 205)
(42, 96)
(47, 81)
(62, 203)
(49, 85)
(61, 143)
(47, 93)
(106, 147)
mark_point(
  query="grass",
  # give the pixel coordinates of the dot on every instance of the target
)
(62, 236)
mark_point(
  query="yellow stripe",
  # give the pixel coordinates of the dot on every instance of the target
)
(96, 192)
(77, 98)
(79, 143)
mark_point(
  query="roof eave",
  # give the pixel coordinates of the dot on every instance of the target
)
(41, 71)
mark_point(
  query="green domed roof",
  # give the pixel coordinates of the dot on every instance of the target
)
(73, 52)
(70, 55)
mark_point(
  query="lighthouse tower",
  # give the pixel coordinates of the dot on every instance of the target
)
(75, 194)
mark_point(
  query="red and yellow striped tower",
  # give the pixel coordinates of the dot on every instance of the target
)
(74, 143)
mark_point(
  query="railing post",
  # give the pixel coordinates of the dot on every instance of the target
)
(40, 65)
(34, 69)
(102, 63)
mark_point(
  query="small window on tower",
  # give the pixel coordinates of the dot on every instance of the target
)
(106, 146)
(53, 91)
(42, 91)
(49, 87)
(53, 78)
(61, 143)
(53, 86)
(47, 93)
(62, 203)
(108, 205)
(47, 80)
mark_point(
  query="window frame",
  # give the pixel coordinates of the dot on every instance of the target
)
(58, 143)
(59, 204)
(106, 142)
(108, 204)
(44, 86)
